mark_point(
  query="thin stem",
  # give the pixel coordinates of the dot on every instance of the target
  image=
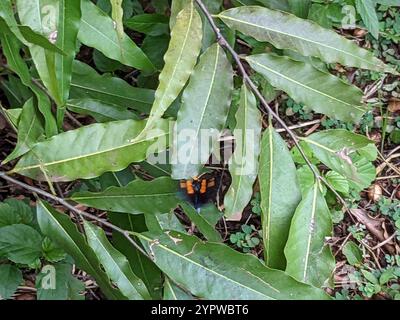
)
(69, 206)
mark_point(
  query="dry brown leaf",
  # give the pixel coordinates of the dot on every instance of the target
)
(374, 192)
(374, 226)
(394, 105)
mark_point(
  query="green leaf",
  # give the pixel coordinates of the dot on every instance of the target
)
(244, 162)
(335, 147)
(201, 223)
(112, 147)
(116, 264)
(51, 251)
(87, 83)
(117, 16)
(97, 31)
(322, 92)
(208, 93)
(11, 49)
(180, 59)
(30, 130)
(55, 282)
(14, 211)
(20, 243)
(156, 196)
(159, 222)
(42, 18)
(366, 9)
(353, 253)
(151, 24)
(280, 195)
(37, 39)
(173, 292)
(141, 265)
(176, 7)
(67, 33)
(309, 259)
(59, 228)
(338, 182)
(101, 111)
(10, 279)
(215, 271)
(286, 31)
(300, 7)
(306, 179)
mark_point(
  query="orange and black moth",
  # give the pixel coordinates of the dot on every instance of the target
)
(197, 190)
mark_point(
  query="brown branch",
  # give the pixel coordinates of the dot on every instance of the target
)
(70, 207)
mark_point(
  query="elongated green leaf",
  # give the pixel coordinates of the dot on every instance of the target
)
(204, 110)
(366, 9)
(63, 231)
(30, 130)
(10, 279)
(97, 31)
(157, 196)
(102, 112)
(7, 14)
(150, 24)
(117, 15)
(116, 264)
(141, 265)
(67, 32)
(244, 164)
(280, 195)
(11, 48)
(87, 83)
(335, 148)
(322, 92)
(180, 59)
(300, 7)
(201, 223)
(224, 274)
(173, 292)
(286, 31)
(37, 39)
(42, 17)
(89, 151)
(20, 243)
(176, 7)
(309, 259)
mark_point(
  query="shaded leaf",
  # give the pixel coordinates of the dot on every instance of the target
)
(309, 259)
(87, 83)
(156, 196)
(101, 111)
(205, 104)
(280, 195)
(116, 264)
(318, 90)
(201, 223)
(150, 24)
(244, 162)
(10, 279)
(286, 31)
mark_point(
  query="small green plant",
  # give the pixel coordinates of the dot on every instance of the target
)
(247, 239)
(293, 108)
(389, 208)
(256, 204)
